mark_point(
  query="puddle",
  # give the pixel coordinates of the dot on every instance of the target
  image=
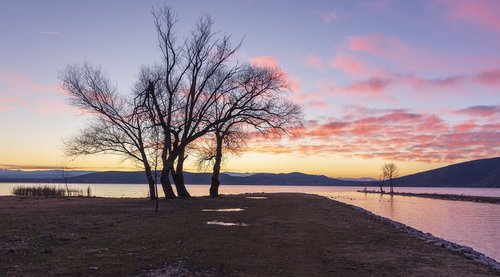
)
(224, 210)
(256, 197)
(215, 222)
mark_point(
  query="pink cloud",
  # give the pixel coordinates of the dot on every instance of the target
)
(17, 83)
(271, 62)
(491, 78)
(329, 16)
(265, 61)
(314, 62)
(351, 65)
(372, 86)
(380, 46)
(20, 90)
(482, 12)
(465, 127)
(13, 100)
(396, 134)
(480, 111)
(53, 107)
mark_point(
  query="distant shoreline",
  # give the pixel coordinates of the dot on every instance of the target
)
(452, 197)
(352, 184)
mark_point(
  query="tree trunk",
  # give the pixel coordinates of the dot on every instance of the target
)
(165, 178)
(166, 185)
(214, 186)
(391, 186)
(178, 177)
(149, 176)
(151, 182)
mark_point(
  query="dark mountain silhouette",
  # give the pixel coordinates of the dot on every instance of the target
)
(477, 173)
(293, 179)
(40, 174)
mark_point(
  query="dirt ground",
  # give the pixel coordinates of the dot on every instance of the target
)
(277, 235)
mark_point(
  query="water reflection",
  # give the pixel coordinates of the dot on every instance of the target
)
(215, 222)
(224, 210)
(256, 197)
(467, 223)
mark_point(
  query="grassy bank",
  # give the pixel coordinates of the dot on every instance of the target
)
(454, 197)
(287, 234)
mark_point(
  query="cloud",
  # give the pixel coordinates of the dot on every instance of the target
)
(380, 46)
(265, 61)
(329, 16)
(20, 90)
(480, 111)
(393, 134)
(491, 77)
(314, 62)
(480, 12)
(54, 107)
(381, 86)
(372, 86)
(50, 33)
(354, 66)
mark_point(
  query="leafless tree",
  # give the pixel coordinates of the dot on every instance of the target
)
(118, 126)
(190, 80)
(381, 182)
(390, 171)
(265, 109)
(197, 89)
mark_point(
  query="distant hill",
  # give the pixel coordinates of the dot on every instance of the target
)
(477, 173)
(292, 179)
(39, 174)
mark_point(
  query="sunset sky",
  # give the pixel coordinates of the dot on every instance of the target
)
(414, 82)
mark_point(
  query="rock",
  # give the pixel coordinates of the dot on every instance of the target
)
(470, 256)
(438, 244)
(93, 268)
(466, 249)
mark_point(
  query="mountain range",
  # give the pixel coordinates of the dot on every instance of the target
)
(477, 173)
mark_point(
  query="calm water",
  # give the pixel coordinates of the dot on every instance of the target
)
(473, 224)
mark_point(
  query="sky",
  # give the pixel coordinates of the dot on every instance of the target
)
(411, 82)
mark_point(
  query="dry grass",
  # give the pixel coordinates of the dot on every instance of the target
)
(49, 191)
(288, 234)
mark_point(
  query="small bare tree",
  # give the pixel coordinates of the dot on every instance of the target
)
(390, 171)
(381, 182)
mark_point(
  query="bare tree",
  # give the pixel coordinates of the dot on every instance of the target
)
(265, 110)
(197, 89)
(118, 126)
(390, 171)
(193, 76)
(381, 181)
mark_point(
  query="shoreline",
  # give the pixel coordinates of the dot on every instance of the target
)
(302, 234)
(451, 197)
(467, 251)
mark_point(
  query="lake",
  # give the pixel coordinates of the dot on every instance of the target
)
(467, 223)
